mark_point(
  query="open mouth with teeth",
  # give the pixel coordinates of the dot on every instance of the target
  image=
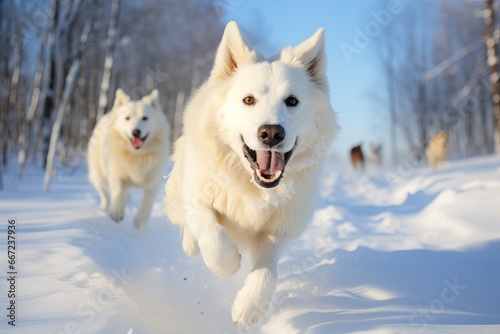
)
(268, 166)
(137, 142)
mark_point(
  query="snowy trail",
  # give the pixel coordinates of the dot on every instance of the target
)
(414, 256)
(80, 272)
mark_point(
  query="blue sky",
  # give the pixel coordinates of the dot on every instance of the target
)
(358, 89)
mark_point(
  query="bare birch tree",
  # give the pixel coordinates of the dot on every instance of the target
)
(108, 62)
(16, 73)
(443, 79)
(491, 40)
(4, 77)
(25, 136)
(61, 109)
(59, 83)
(49, 98)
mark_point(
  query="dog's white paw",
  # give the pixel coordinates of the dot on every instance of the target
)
(117, 210)
(248, 310)
(252, 304)
(219, 252)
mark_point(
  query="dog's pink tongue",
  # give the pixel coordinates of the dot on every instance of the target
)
(270, 162)
(137, 142)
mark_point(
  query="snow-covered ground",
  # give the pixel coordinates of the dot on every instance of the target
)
(417, 252)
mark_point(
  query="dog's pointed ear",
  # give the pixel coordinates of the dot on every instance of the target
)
(232, 52)
(120, 98)
(311, 54)
(152, 99)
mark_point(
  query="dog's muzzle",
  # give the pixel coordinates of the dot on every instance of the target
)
(268, 165)
(137, 141)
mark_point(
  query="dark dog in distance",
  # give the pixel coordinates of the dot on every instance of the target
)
(357, 158)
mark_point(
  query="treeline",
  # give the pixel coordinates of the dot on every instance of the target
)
(440, 60)
(62, 61)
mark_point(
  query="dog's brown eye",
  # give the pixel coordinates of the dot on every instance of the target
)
(249, 100)
(145, 118)
(291, 101)
(127, 118)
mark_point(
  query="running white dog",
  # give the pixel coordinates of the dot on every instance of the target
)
(129, 148)
(246, 167)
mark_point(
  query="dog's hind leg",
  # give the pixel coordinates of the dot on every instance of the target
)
(100, 184)
(103, 199)
(102, 190)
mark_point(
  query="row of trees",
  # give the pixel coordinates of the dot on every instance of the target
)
(62, 61)
(440, 61)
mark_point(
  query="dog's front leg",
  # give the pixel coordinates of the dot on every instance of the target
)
(253, 302)
(118, 200)
(148, 198)
(218, 251)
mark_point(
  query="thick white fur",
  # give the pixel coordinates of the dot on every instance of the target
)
(115, 165)
(211, 193)
(437, 150)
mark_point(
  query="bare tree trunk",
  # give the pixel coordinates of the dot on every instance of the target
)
(61, 108)
(485, 124)
(50, 93)
(4, 77)
(423, 106)
(11, 109)
(64, 46)
(108, 63)
(3, 60)
(25, 137)
(491, 42)
(92, 96)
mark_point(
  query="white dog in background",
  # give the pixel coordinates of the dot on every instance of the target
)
(129, 148)
(246, 167)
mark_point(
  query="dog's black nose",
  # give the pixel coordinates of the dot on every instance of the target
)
(136, 133)
(271, 135)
